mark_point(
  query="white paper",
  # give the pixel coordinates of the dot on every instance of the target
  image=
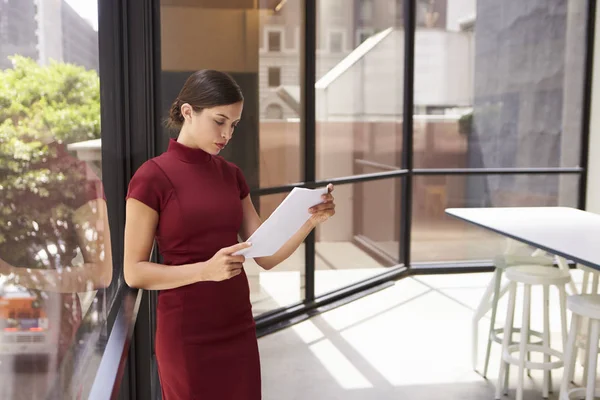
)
(283, 223)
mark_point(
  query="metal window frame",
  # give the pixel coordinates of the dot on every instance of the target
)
(294, 313)
(128, 33)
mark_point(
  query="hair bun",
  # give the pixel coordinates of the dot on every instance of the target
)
(175, 117)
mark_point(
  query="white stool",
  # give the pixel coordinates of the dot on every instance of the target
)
(530, 276)
(502, 263)
(593, 275)
(582, 306)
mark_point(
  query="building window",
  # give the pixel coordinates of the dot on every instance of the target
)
(366, 10)
(336, 42)
(274, 76)
(397, 9)
(274, 40)
(336, 7)
(363, 34)
(274, 111)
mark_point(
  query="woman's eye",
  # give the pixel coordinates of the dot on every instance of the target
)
(220, 122)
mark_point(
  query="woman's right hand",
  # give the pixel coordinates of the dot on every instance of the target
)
(224, 265)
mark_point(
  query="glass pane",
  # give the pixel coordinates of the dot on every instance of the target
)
(437, 237)
(283, 285)
(362, 238)
(498, 84)
(359, 86)
(258, 44)
(55, 250)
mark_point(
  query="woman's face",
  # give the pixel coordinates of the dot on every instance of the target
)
(212, 128)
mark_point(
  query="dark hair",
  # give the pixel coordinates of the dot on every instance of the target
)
(204, 89)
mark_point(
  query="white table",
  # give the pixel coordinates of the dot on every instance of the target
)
(568, 233)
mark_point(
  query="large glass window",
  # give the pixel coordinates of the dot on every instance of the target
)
(437, 237)
(259, 44)
(497, 85)
(55, 250)
(359, 89)
(362, 239)
(359, 132)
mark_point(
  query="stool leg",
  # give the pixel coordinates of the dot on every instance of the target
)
(511, 332)
(523, 342)
(570, 357)
(546, 382)
(479, 313)
(507, 338)
(562, 264)
(588, 333)
(498, 281)
(592, 345)
(563, 314)
(586, 282)
(527, 338)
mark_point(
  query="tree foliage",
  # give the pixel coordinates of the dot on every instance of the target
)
(42, 109)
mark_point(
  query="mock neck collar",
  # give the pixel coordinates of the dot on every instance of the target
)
(188, 154)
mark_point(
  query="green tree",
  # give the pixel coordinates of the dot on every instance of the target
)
(42, 109)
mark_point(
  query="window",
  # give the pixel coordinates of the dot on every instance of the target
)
(366, 10)
(274, 39)
(336, 7)
(262, 128)
(274, 111)
(336, 42)
(396, 12)
(363, 34)
(274, 76)
(55, 250)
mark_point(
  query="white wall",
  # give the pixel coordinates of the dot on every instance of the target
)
(593, 179)
(458, 10)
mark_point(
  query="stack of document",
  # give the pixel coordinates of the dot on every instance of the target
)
(283, 223)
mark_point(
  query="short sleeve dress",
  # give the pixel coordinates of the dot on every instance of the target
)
(206, 345)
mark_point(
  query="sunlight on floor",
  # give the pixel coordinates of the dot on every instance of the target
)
(342, 370)
(414, 337)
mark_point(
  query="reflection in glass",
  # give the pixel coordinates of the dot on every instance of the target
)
(263, 42)
(263, 54)
(55, 249)
(362, 239)
(498, 85)
(437, 237)
(359, 87)
(360, 60)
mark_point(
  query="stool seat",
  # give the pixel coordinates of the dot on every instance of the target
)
(538, 275)
(586, 305)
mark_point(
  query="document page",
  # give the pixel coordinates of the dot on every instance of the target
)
(283, 223)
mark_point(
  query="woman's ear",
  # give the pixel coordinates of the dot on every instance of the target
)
(187, 111)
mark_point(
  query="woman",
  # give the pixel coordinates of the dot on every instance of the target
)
(196, 204)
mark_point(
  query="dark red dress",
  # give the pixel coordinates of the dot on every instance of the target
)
(206, 343)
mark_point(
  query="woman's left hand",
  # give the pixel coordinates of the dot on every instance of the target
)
(321, 212)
